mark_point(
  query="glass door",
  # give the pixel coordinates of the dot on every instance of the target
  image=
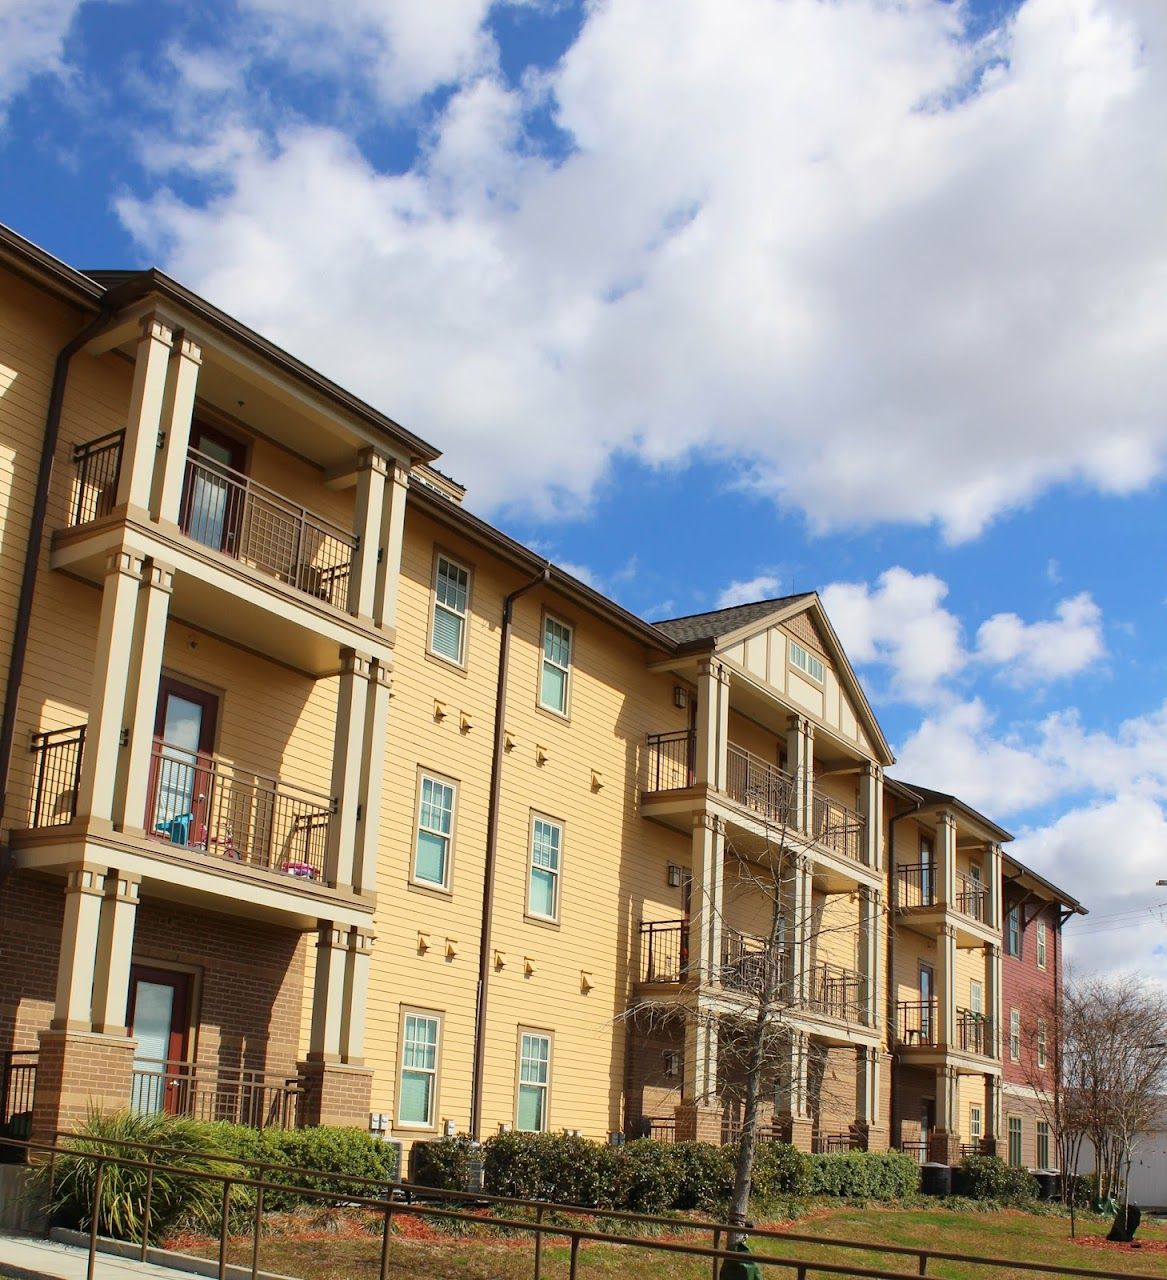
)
(927, 992)
(159, 1017)
(213, 497)
(183, 777)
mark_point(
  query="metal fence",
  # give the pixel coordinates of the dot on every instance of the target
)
(838, 828)
(17, 1091)
(56, 776)
(671, 760)
(664, 950)
(836, 992)
(203, 1091)
(759, 785)
(99, 467)
(916, 885)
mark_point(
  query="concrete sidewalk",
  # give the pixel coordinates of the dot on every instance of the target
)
(34, 1258)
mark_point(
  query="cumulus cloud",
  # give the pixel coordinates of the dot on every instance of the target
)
(895, 273)
(32, 41)
(1037, 652)
(762, 587)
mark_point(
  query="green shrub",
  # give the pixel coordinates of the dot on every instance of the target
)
(704, 1175)
(863, 1175)
(990, 1178)
(647, 1176)
(513, 1166)
(444, 1163)
(780, 1171)
(548, 1166)
(122, 1203)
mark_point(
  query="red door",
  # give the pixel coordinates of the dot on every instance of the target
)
(182, 777)
(159, 1016)
(213, 496)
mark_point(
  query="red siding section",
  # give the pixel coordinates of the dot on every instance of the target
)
(1030, 990)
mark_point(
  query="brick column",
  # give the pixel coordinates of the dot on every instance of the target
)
(944, 1142)
(870, 1121)
(792, 1105)
(337, 1086)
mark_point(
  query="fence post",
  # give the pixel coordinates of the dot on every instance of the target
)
(226, 1204)
(257, 1228)
(539, 1243)
(923, 1264)
(717, 1245)
(146, 1210)
(385, 1238)
(97, 1181)
(574, 1256)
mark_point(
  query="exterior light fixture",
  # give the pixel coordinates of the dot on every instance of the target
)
(680, 696)
(674, 876)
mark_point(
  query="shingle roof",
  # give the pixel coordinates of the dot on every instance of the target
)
(720, 622)
(931, 798)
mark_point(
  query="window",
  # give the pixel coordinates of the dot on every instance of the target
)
(1041, 1049)
(451, 596)
(556, 666)
(806, 662)
(976, 998)
(1013, 932)
(1041, 947)
(975, 1123)
(534, 1077)
(1015, 1141)
(419, 1070)
(1043, 1144)
(1015, 1035)
(927, 872)
(543, 887)
(672, 1064)
(435, 825)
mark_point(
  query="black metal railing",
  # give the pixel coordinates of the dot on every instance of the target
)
(664, 950)
(836, 827)
(972, 897)
(258, 1099)
(661, 1128)
(916, 885)
(750, 965)
(759, 785)
(56, 776)
(831, 1143)
(835, 992)
(203, 803)
(99, 468)
(974, 1033)
(671, 760)
(17, 1091)
(917, 1023)
(917, 1150)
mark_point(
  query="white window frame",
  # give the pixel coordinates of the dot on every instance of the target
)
(534, 1034)
(976, 997)
(1042, 1045)
(429, 1016)
(555, 872)
(976, 1123)
(1013, 917)
(550, 620)
(806, 662)
(462, 615)
(1041, 954)
(424, 776)
(1015, 1035)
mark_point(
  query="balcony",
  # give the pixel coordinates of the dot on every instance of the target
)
(202, 804)
(664, 951)
(835, 992)
(229, 512)
(974, 1033)
(750, 966)
(916, 885)
(917, 1023)
(972, 898)
(258, 1099)
(762, 787)
(919, 1027)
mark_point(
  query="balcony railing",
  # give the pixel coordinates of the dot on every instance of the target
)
(837, 828)
(836, 992)
(17, 1090)
(664, 951)
(206, 804)
(972, 897)
(831, 1143)
(749, 965)
(229, 512)
(759, 785)
(56, 776)
(917, 1023)
(917, 1150)
(974, 1033)
(671, 758)
(916, 885)
(660, 1128)
(258, 1099)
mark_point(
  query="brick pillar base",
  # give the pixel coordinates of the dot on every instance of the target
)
(796, 1130)
(989, 1146)
(78, 1072)
(335, 1093)
(944, 1147)
(698, 1124)
(878, 1139)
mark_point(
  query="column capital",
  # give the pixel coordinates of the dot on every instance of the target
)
(361, 940)
(331, 937)
(125, 561)
(713, 668)
(381, 673)
(945, 818)
(353, 663)
(159, 576)
(85, 878)
(398, 474)
(186, 347)
(155, 327)
(123, 885)
(994, 951)
(710, 821)
(371, 459)
(949, 932)
(873, 770)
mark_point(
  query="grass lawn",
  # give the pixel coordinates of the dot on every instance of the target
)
(351, 1253)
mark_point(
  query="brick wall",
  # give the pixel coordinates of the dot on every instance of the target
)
(30, 937)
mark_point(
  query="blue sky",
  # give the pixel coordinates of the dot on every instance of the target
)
(712, 300)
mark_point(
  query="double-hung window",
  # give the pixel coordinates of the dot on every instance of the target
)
(1013, 932)
(1043, 1144)
(451, 600)
(534, 1081)
(1015, 1141)
(1015, 1035)
(419, 1070)
(1041, 945)
(435, 830)
(556, 672)
(975, 1123)
(1041, 1046)
(543, 880)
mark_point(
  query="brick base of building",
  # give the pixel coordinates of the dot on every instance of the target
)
(336, 1094)
(944, 1147)
(797, 1130)
(874, 1137)
(79, 1072)
(698, 1124)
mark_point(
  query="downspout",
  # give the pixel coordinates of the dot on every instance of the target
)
(892, 1003)
(32, 551)
(492, 851)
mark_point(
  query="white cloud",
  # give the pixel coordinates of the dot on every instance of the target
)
(898, 280)
(32, 41)
(1037, 652)
(745, 591)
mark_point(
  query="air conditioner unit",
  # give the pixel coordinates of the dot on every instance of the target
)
(398, 1155)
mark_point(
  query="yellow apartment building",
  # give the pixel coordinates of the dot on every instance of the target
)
(325, 801)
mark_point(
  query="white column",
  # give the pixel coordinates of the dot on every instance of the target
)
(699, 1085)
(869, 930)
(372, 778)
(946, 860)
(358, 961)
(712, 723)
(866, 1085)
(993, 1008)
(391, 541)
(145, 669)
(372, 468)
(328, 994)
(793, 1093)
(144, 417)
(107, 699)
(177, 412)
(346, 766)
(871, 807)
(115, 949)
(947, 1096)
(993, 886)
(993, 1107)
(800, 766)
(84, 891)
(946, 984)
(800, 925)
(706, 898)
